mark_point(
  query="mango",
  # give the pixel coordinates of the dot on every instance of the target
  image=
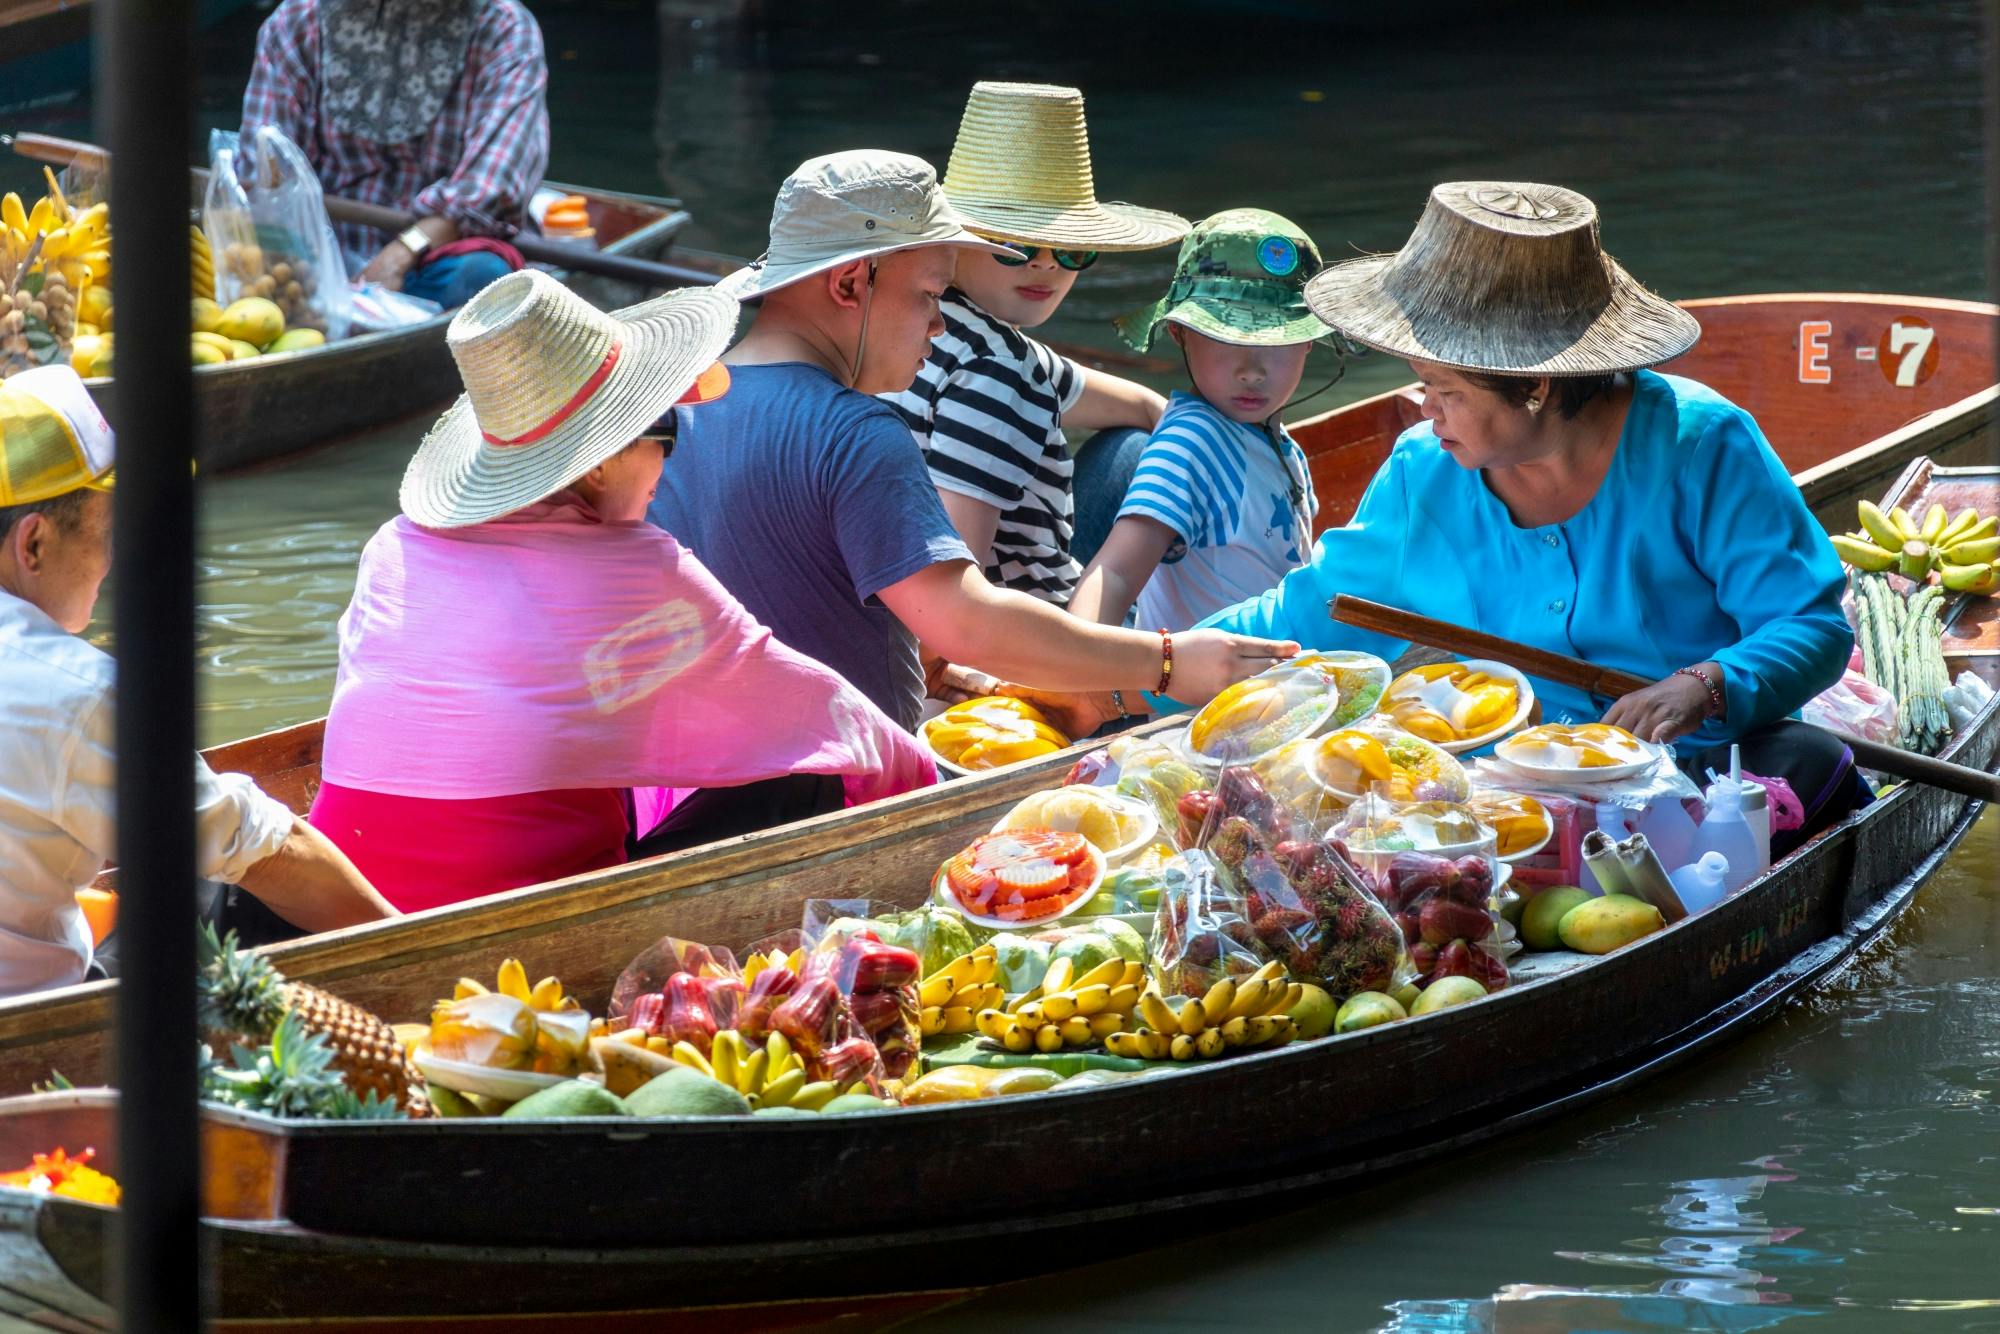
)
(1315, 1014)
(685, 1092)
(1406, 995)
(572, 1097)
(1602, 925)
(1022, 1079)
(93, 306)
(1445, 993)
(295, 340)
(205, 354)
(204, 316)
(853, 1102)
(449, 1102)
(239, 351)
(1545, 912)
(783, 1113)
(83, 350)
(1365, 1009)
(254, 320)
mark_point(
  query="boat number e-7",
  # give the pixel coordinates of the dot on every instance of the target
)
(1906, 352)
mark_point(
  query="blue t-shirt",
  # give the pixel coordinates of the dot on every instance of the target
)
(1697, 547)
(806, 499)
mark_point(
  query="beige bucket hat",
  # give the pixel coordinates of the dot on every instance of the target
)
(846, 206)
(554, 387)
(1505, 277)
(1020, 170)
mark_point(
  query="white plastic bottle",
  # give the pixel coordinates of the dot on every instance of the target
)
(1704, 883)
(1725, 828)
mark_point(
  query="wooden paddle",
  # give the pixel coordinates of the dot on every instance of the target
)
(1565, 670)
(563, 254)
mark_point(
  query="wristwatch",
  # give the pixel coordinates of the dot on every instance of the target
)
(415, 239)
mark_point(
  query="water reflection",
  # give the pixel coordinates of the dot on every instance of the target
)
(1713, 1248)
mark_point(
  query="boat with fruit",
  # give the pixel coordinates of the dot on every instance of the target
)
(261, 408)
(1835, 449)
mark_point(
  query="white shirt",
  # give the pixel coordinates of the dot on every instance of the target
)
(58, 818)
(1240, 502)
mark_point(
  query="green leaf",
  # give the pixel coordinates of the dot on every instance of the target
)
(32, 284)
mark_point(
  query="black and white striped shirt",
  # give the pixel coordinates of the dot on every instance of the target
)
(987, 411)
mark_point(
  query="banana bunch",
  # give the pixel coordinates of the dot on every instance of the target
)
(1067, 1010)
(768, 1075)
(201, 263)
(1962, 548)
(512, 980)
(1247, 1015)
(953, 996)
(757, 963)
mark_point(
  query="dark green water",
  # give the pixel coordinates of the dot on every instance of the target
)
(1839, 1170)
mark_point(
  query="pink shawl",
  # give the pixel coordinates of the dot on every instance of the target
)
(550, 649)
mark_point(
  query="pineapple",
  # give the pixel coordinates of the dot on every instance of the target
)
(292, 1076)
(244, 1001)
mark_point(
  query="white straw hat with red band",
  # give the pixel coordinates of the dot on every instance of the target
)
(554, 387)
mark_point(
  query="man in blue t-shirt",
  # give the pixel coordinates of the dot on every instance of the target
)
(811, 502)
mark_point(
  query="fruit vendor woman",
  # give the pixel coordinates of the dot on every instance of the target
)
(435, 107)
(58, 769)
(530, 673)
(1560, 495)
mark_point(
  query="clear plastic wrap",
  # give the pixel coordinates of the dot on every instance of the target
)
(873, 1029)
(1854, 704)
(1460, 705)
(1120, 827)
(266, 223)
(1316, 778)
(1298, 698)
(1442, 896)
(1202, 931)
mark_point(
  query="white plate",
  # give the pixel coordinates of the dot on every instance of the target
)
(946, 766)
(1567, 777)
(1524, 704)
(465, 1077)
(942, 892)
(1141, 811)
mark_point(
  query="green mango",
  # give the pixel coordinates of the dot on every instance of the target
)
(685, 1092)
(1601, 925)
(1545, 912)
(572, 1097)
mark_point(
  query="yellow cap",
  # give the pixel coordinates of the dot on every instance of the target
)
(53, 439)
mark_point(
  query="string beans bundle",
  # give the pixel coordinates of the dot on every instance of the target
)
(1902, 651)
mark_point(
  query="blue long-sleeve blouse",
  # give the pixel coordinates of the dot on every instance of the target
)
(1697, 547)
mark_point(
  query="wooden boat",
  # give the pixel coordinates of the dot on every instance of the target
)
(68, 1029)
(254, 411)
(592, 1223)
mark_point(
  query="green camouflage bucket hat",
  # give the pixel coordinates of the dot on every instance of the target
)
(1241, 278)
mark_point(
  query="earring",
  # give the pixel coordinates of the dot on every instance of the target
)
(1534, 405)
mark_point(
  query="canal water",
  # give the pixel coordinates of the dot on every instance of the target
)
(1841, 1168)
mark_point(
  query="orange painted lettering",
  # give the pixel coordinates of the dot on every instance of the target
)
(1812, 352)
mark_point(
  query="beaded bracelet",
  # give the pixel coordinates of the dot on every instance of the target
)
(1713, 688)
(1166, 662)
(1118, 703)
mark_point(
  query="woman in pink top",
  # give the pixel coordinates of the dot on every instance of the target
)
(527, 665)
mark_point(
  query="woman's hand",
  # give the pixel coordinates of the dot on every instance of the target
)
(955, 684)
(1208, 661)
(1664, 711)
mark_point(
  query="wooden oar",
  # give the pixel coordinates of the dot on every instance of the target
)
(1565, 670)
(563, 254)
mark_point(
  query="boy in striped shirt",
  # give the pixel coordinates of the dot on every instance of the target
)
(1221, 503)
(989, 405)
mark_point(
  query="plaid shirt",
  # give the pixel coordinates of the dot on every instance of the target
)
(477, 165)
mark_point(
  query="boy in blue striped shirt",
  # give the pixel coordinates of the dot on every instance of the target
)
(1221, 504)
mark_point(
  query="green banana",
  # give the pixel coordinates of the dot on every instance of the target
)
(1975, 552)
(1862, 555)
(1877, 523)
(1981, 579)
(1933, 524)
(1956, 529)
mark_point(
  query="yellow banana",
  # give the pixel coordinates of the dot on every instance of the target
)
(1128, 1044)
(1294, 993)
(1880, 527)
(1017, 1037)
(1235, 1032)
(1075, 1031)
(1271, 971)
(1209, 1044)
(1109, 973)
(1218, 1000)
(1181, 1048)
(1192, 1018)
(41, 216)
(724, 1055)
(1157, 1015)
(1058, 977)
(690, 1056)
(937, 990)
(55, 191)
(750, 1073)
(546, 995)
(1059, 1007)
(1863, 555)
(13, 217)
(1251, 998)
(1032, 1014)
(779, 1092)
(956, 1019)
(1972, 551)
(1092, 1000)
(985, 967)
(992, 1023)
(1122, 999)
(1135, 973)
(1960, 522)
(930, 1020)
(513, 980)
(1049, 1038)
(1982, 579)
(467, 987)
(1933, 524)
(778, 1055)
(1104, 1025)
(814, 1096)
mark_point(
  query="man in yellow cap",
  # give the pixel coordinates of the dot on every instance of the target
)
(57, 765)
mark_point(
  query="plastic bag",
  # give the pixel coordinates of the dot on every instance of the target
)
(1854, 704)
(372, 306)
(679, 991)
(1297, 698)
(1149, 769)
(869, 1028)
(1654, 802)
(1201, 933)
(1459, 705)
(266, 223)
(1302, 902)
(1441, 894)
(1317, 778)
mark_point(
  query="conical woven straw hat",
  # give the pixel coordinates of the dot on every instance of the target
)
(554, 387)
(1020, 170)
(1504, 277)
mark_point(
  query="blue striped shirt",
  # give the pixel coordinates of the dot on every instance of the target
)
(1239, 500)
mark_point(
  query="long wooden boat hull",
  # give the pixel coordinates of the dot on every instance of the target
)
(665, 1215)
(856, 852)
(251, 412)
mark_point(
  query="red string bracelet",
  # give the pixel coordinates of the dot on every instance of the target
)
(1166, 662)
(1714, 689)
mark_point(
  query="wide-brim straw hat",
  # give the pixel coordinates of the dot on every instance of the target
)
(846, 206)
(1020, 170)
(554, 387)
(1507, 278)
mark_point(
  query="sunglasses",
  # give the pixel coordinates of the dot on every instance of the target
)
(664, 430)
(1076, 261)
